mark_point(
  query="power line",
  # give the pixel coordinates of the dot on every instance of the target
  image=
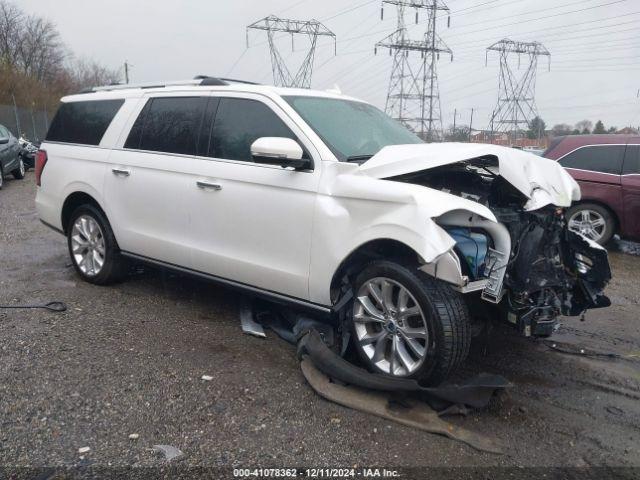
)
(565, 32)
(540, 18)
(235, 64)
(578, 2)
(348, 10)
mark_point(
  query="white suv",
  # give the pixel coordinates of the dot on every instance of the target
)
(314, 198)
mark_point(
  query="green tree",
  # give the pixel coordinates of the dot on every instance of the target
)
(599, 128)
(537, 127)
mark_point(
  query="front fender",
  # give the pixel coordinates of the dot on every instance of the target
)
(342, 226)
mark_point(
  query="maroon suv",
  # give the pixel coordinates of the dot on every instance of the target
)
(607, 167)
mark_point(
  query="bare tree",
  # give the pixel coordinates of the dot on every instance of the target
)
(584, 126)
(35, 66)
(561, 129)
(11, 20)
(87, 73)
(41, 51)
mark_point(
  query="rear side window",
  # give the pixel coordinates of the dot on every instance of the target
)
(239, 122)
(83, 123)
(597, 158)
(632, 160)
(170, 125)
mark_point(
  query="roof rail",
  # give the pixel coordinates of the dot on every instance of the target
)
(206, 80)
(200, 80)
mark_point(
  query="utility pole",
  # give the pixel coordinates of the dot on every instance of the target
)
(15, 111)
(126, 72)
(471, 125)
(493, 116)
(455, 114)
(413, 96)
(516, 94)
(282, 75)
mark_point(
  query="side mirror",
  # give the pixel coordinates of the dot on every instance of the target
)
(281, 151)
(4, 140)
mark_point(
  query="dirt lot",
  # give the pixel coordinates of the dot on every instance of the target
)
(128, 359)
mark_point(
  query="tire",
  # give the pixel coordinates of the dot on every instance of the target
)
(1, 177)
(18, 173)
(592, 220)
(442, 314)
(87, 245)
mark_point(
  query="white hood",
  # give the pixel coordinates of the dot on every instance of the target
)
(541, 180)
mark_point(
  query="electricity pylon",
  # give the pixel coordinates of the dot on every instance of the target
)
(313, 29)
(516, 105)
(413, 97)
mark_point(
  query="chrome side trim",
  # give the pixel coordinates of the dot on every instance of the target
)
(243, 286)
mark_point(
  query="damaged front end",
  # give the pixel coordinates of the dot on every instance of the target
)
(528, 264)
(551, 271)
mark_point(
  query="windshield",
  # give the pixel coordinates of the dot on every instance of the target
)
(352, 130)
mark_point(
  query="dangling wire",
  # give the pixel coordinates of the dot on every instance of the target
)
(51, 306)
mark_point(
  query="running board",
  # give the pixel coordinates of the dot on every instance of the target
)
(267, 294)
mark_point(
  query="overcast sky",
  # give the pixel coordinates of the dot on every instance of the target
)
(594, 45)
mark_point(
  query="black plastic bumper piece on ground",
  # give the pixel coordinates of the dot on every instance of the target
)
(475, 392)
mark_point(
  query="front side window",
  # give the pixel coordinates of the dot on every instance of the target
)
(352, 130)
(168, 125)
(596, 158)
(83, 123)
(4, 133)
(238, 123)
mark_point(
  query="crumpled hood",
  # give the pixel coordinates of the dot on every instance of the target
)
(541, 180)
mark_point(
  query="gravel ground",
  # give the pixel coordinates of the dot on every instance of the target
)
(128, 359)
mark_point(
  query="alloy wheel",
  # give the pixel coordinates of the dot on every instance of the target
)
(589, 223)
(22, 169)
(88, 245)
(390, 326)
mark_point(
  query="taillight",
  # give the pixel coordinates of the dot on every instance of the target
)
(41, 161)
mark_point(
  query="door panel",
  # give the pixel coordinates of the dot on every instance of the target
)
(5, 151)
(631, 193)
(148, 181)
(146, 204)
(256, 227)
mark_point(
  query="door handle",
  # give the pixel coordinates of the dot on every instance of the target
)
(120, 172)
(209, 186)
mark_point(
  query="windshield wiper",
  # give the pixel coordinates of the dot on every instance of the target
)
(358, 158)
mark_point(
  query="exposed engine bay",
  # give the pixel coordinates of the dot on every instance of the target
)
(548, 270)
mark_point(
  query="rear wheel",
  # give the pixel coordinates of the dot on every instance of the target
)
(93, 247)
(593, 221)
(18, 173)
(407, 324)
(1, 177)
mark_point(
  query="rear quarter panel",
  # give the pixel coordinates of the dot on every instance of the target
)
(69, 169)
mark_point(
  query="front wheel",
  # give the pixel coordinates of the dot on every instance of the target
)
(408, 324)
(93, 247)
